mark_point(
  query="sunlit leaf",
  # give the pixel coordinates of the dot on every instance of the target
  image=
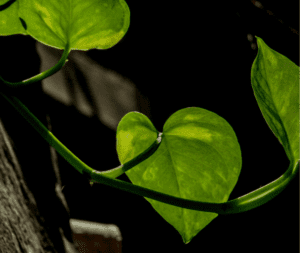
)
(83, 24)
(199, 158)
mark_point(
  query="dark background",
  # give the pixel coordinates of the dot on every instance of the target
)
(182, 55)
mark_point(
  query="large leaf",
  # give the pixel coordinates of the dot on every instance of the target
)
(83, 24)
(199, 158)
(275, 81)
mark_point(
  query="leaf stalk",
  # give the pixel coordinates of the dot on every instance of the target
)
(11, 88)
(238, 205)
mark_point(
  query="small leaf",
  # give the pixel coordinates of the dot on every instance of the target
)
(199, 158)
(275, 82)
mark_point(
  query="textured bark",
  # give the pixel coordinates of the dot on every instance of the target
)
(22, 222)
(33, 213)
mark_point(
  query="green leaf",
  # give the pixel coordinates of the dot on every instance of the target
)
(275, 81)
(134, 124)
(199, 158)
(83, 24)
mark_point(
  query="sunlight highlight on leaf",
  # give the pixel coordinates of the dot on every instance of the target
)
(199, 158)
(83, 24)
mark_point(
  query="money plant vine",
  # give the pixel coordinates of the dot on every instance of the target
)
(188, 171)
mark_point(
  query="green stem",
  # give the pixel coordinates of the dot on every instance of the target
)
(66, 153)
(238, 205)
(118, 171)
(9, 87)
(242, 204)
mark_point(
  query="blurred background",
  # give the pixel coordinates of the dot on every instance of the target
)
(173, 56)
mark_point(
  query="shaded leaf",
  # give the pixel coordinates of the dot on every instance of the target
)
(275, 82)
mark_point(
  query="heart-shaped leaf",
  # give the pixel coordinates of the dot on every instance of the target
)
(275, 82)
(199, 159)
(83, 24)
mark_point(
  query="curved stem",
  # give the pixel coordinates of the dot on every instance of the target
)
(9, 87)
(241, 204)
(66, 153)
(118, 171)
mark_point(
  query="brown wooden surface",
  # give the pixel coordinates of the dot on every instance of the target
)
(34, 216)
(23, 219)
(33, 211)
